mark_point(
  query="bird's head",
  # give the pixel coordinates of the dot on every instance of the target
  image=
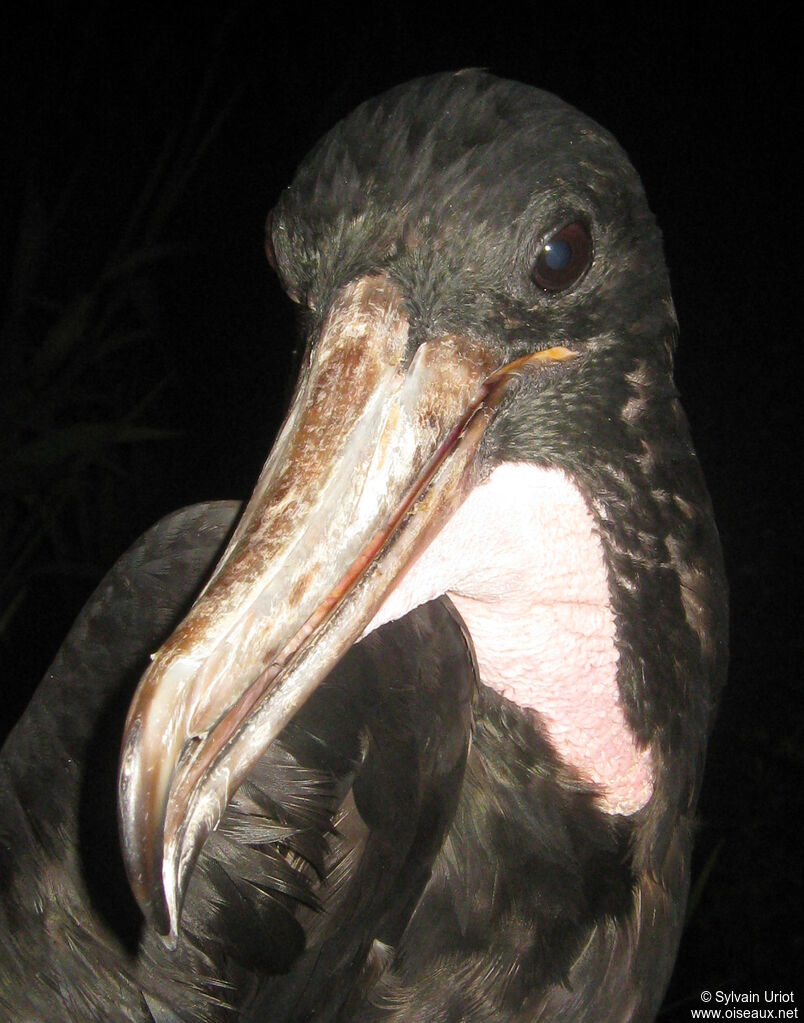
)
(485, 409)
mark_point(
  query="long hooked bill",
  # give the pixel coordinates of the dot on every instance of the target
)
(375, 455)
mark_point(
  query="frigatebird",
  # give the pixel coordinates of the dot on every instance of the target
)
(428, 744)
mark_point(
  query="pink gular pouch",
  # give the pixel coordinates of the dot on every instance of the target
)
(523, 564)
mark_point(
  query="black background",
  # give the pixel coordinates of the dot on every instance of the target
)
(703, 107)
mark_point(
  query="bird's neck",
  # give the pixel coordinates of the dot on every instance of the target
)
(524, 565)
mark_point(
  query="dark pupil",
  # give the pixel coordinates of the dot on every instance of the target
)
(558, 254)
(564, 257)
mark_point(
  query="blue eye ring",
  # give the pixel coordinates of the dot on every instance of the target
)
(563, 258)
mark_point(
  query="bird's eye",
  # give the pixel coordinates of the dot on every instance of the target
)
(563, 258)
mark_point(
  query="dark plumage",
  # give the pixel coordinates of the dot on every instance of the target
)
(487, 318)
(71, 944)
